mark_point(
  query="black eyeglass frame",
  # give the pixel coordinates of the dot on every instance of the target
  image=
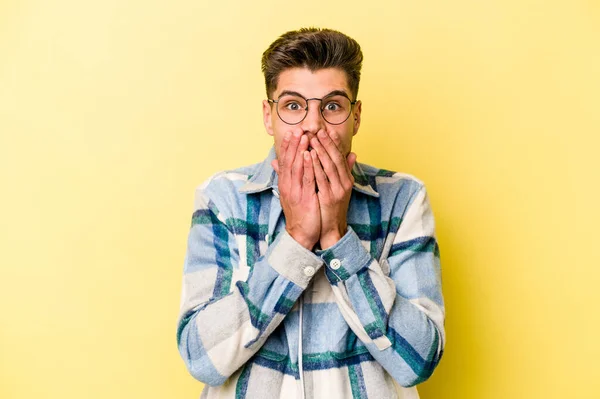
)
(321, 109)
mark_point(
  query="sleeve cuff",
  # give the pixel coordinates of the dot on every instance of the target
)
(345, 258)
(293, 261)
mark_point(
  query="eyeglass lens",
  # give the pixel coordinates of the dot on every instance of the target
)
(292, 109)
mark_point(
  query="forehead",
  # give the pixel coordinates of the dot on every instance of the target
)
(312, 83)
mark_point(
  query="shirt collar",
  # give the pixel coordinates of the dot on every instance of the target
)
(265, 177)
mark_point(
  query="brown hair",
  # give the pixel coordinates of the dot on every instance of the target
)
(315, 49)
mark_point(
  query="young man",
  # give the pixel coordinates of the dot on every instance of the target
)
(311, 275)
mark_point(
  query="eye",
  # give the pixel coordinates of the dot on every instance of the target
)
(293, 106)
(332, 106)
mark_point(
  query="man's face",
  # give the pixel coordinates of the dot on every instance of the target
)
(312, 85)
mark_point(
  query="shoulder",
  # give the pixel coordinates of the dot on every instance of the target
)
(222, 188)
(398, 191)
(391, 184)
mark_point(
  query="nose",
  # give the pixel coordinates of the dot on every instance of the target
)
(313, 122)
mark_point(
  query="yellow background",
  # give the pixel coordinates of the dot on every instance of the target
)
(112, 112)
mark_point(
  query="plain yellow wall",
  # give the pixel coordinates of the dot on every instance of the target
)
(112, 112)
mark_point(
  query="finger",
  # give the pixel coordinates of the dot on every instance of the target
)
(310, 136)
(285, 144)
(308, 181)
(320, 176)
(351, 158)
(298, 167)
(344, 170)
(327, 163)
(286, 166)
(337, 140)
(334, 153)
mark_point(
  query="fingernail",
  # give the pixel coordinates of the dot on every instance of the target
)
(297, 133)
(321, 133)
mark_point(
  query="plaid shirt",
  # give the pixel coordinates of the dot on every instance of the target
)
(366, 315)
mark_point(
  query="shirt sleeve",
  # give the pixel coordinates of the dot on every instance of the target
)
(223, 319)
(394, 306)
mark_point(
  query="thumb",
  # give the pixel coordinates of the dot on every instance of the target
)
(351, 159)
(275, 165)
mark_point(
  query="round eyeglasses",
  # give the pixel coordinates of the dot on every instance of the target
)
(292, 109)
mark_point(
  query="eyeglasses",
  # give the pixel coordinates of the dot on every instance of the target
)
(292, 109)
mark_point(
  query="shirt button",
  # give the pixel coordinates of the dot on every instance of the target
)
(335, 264)
(309, 271)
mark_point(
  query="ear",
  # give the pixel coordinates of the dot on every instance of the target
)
(356, 116)
(267, 117)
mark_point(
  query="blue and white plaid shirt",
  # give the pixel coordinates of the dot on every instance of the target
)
(367, 314)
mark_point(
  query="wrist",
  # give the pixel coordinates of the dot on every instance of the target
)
(300, 239)
(330, 239)
(327, 242)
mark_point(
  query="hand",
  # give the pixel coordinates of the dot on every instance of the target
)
(297, 191)
(334, 180)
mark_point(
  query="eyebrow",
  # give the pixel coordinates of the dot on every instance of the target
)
(332, 93)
